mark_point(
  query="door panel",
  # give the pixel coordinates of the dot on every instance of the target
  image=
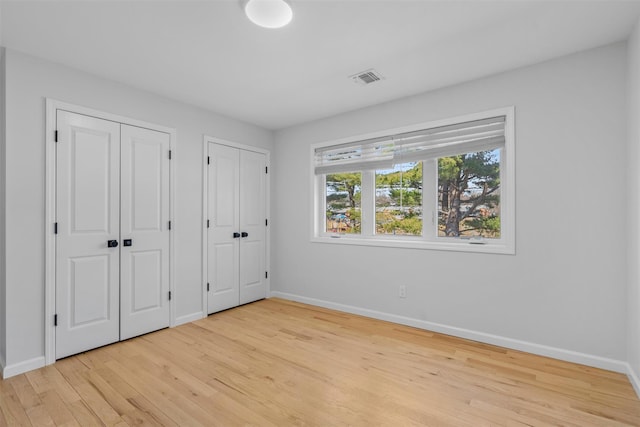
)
(146, 275)
(90, 183)
(88, 278)
(146, 178)
(224, 279)
(144, 267)
(223, 203)
(252, 221)
(87, 213)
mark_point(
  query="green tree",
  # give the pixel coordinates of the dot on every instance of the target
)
(405, 187)
(346, 182)
(406, 197)
(472, 178)
(487, 225)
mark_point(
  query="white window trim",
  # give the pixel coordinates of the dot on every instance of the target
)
(504, 245)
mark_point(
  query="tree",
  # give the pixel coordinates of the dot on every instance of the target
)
(346, 182)
(471, 179)
(405, 187)
(406, 196)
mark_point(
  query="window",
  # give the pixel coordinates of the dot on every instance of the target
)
(343, 202)
(469, 195)
(399, 200)
(444, 185)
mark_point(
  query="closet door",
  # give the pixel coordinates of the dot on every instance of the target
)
(223, 234)
(252, 226)
(144, 229)
(87, 216)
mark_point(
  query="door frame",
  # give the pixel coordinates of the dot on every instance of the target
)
(52, 106)
(205, 202)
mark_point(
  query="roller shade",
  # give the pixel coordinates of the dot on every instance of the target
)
(383, 153)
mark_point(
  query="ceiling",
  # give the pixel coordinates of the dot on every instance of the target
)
(207, 53)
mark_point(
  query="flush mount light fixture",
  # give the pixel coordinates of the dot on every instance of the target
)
(268, 13)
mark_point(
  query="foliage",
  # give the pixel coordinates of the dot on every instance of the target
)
(402, 189)
(345, 199)
(406, 196)
(349, 182)
(411, 178)
(487, 226)
(412, 226)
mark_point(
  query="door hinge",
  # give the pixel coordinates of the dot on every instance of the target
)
(55, 136)
(208, 160)
(169, 295)
(169, 154)
(207, 223)
(55, 228)
(266, 169)
(169, 225)
(55, 320)
(207, 287)
(266, 274)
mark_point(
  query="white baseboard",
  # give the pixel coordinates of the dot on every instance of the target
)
(529, 347)
(634, 379)
(22, 367)
(189, 318)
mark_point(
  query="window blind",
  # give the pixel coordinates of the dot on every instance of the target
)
(385, 152)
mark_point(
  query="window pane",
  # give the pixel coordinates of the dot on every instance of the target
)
(399, 200)
(343, 194)
(469, 195)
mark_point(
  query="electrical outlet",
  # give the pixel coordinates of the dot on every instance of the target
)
(402, 291)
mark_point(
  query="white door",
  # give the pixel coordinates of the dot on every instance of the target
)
(252, 226)
(223, 236)
(237, 230)
(144, 231)
(112, 232)
(87, 215)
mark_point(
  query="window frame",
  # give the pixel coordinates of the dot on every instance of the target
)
(429, 238)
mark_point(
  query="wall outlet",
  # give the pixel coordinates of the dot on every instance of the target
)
(402, 291)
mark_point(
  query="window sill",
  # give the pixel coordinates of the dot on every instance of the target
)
(408, 243)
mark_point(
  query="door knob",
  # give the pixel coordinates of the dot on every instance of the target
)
(245, 234)
(236, 235)
(112, 243)
(127, 242)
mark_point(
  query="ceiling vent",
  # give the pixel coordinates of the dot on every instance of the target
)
(367, 77)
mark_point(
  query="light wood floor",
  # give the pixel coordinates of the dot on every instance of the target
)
(279, 363)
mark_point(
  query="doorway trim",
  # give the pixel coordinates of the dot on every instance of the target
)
(52, 106)
(205, 202)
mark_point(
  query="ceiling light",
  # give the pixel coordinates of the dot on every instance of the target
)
(268, 13)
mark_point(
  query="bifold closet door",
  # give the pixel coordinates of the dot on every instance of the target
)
(88, 218)
(223, 234)
(236, 237)
(144, 231)
(112, 237)
(253, 284)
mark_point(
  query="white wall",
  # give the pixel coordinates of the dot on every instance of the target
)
(564, 292)
(29, 81)
(633, 239)
(2, 212)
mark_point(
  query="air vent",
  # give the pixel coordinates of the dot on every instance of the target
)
(367, 77)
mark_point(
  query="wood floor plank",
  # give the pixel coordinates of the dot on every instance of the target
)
(281, 363)
(12, 410)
